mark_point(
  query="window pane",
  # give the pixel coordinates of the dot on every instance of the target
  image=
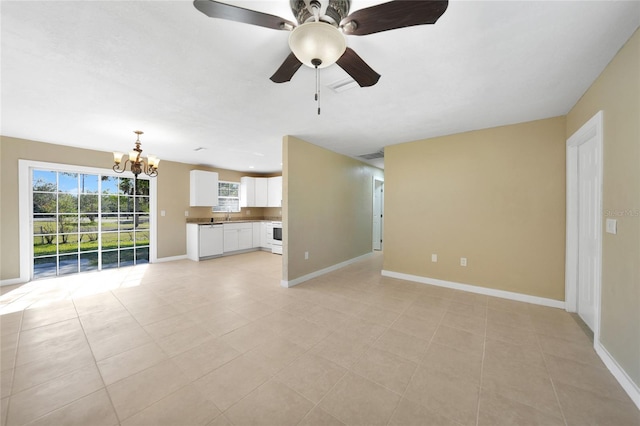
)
(142, 204)
(89, 184)
(44, 224)
(67, 243)
(234, 190)
(88, 203)
(67, 223)
(109, 259)
(109, 185)
(44, 267)
(126, 239)
(125, 186)
(88, 261)
(45, 245)
(126, 223)
(142, 238)
(89, 242)
(68, 264)
(126, 204)
(126, 257)
(109, 222)
(44, 181)
(223, 189)
(67, 203)
(44, 203)
(88, 223)
(142, 221)
(68, 182)
(109, 203)
(143, 187)
(227, 205)
(142, 255)
(109, 240)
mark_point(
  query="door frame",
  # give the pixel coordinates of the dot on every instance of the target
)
(373, 207)
(591, 129)
(25, 213)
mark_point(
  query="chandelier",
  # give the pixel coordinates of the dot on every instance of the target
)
(137, 164)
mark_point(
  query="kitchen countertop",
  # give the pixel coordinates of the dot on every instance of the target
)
(208, 221)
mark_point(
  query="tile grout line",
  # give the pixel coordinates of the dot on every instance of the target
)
(484, 347)
(428, 345)
(553, 385)
(104, 385)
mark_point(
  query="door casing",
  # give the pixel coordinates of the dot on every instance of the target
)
(592, 129)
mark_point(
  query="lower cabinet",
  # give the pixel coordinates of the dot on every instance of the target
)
(238, 236)
(204, 241)
(209, 240)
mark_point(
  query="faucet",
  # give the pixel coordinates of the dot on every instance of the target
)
(228, 214)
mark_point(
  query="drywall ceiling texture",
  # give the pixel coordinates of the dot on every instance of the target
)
(87, 74)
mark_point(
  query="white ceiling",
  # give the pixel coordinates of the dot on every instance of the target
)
(88, 73)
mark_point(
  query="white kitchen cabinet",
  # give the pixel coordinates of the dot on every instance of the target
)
(247, 191)
(238, 236)
(258, 231)
(268, 239)
(262, 192)
(274, 191)
(204, 241)
(203, 188)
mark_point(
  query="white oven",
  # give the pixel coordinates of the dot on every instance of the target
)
(276, 242)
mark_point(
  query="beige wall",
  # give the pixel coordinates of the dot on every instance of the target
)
(617, 93)
(173, 196)
(494, 196)
(327, 207)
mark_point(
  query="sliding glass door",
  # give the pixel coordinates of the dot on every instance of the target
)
(86, 222)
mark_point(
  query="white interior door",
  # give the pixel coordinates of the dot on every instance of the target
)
(378, 213)
(588, 229)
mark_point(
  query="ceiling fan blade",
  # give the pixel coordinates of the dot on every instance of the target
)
(219, 10)
(353, 64)
(287, 69)
(393, 15)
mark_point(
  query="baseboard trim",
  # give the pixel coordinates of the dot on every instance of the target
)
(475, 289)
(618, 372)
(170, 258)
(12, 281)
(299, 280)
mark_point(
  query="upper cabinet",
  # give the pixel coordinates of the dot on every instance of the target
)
(274, 192)
(261, 192)
(203, 188)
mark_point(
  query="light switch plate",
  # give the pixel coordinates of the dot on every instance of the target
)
(612, 226)
(434, 257)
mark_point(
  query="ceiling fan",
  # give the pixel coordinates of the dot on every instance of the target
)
(317, 39)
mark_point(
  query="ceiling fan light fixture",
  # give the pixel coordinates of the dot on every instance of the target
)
(317, 40)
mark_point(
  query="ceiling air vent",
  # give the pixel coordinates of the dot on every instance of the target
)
(373, 156)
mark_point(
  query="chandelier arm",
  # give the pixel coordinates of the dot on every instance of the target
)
(118, 169)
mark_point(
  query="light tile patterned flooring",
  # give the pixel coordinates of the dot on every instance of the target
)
(221, 343)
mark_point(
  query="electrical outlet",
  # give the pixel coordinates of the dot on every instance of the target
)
(463, 261)
(434, 257)
(163, 212)
(186, 213)
(306, 255)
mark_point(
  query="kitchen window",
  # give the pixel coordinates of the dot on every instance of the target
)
(228, 197)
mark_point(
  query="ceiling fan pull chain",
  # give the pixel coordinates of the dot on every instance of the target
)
(316, 63)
